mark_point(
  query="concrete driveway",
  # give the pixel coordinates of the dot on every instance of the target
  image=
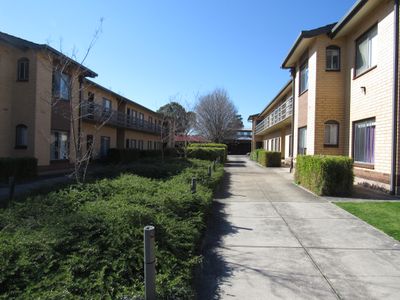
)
(269, 239)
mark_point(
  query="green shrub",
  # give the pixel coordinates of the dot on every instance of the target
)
(131, 155)
(325, 175)
(254, 154)
(269, 158)
(19, 167)
(86, 241)
(207, 153)
(211, 145)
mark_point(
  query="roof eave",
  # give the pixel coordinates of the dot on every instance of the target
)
(86, 71)
(347, 17)
(276, 97)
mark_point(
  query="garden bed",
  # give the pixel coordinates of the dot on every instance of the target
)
(86, 241)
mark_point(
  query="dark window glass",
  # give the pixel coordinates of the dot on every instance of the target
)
(21, 137)
(332, 58)
(61, 85)
(331, 133)
(104, 146)
(302, 141)
(23, 69)
(304, 77)
(366, 50)
(59, 147)
(364, 141)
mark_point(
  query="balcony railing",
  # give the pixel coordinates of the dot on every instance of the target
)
(97, 113)
(281, 113)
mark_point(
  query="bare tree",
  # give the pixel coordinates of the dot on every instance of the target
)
(69, 82)
(216, 116)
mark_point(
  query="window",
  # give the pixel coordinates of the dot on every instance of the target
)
(304, 77)
(366, 50)
(333, 58)
(302, 147)
(23, 69)
(290, 146)
(364, 141)
(61, 85)
(106, 105)
(140, 145)
(104, 146)
(129, 115)
(59, 145)
(90, 106)
(141, 119)
(21, 136)
(331, 133)
(149, 145)
(130, 144)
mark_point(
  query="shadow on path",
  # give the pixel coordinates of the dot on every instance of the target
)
(213, 269)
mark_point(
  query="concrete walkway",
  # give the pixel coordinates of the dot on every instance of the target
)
(270, 239)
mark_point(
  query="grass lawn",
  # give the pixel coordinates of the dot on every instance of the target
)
(383, 215)
(86, 241)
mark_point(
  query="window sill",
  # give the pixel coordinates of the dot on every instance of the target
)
(332, 70)
(22, 80)
(364, 165)
(21, 147)
(331, 146)
(303, 92)
(365, 72)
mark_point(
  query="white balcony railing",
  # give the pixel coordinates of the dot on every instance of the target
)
(281, 113)
(97, 113)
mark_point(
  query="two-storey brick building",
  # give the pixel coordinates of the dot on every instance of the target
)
(49, 109)
(345, 90)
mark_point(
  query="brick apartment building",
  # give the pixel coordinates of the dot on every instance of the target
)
(40, 89)
(344, 94)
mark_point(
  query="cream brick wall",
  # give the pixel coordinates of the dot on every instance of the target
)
(330, 98)
(377, 101)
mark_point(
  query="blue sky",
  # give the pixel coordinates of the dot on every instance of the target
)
(153, 50)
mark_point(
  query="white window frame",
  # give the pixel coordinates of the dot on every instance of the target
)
(59, 146)
(370, 38)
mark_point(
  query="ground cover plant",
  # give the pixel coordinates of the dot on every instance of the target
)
(86, 241)
(383, 215)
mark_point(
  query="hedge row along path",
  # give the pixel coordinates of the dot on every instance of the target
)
(270, 239)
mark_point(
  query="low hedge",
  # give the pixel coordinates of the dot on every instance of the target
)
(131, 155)
(19, 167)
(325, 175)
(211, 145)
(86, 241)
(254, 154)
(207, 153)
(269, 158)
